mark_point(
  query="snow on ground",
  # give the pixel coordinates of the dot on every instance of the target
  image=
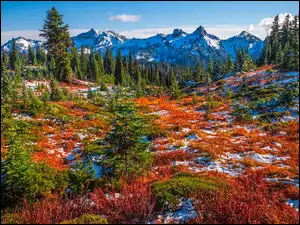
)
(185, 212)
(23, 116)
(208, 132)
(193, 137)
(267, 158)
(293, 203)
(218, 166)
(161, 112)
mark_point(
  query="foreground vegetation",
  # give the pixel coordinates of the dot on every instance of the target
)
(154, 149)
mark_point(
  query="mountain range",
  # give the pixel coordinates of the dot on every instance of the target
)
(178, 47)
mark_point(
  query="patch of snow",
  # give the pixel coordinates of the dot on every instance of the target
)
(82, 136)
(219, 167)
(268, 148)
(288, 118)
(186, 130)
(268, 159)
(293, 203)
(277, 144)
(193, 137)
(186, 211)
(235, 156)
(209, 132)
(161, 112)
(184, 163)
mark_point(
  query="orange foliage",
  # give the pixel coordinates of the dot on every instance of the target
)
(53, 162)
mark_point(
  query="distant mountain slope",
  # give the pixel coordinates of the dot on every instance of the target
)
(22, 44)
(178, 47)
(245, 41)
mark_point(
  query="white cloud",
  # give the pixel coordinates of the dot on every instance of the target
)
(264, 26)
(126, 18)
(222, 31)
(144, 33)
(31, 34)
(225, 31)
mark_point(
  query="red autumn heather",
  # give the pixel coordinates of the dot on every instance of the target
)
(248, 200)
(134, 204)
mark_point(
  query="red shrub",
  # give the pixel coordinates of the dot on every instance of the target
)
(248, 200)
(134, 204)
(168, 157)
(50, 210)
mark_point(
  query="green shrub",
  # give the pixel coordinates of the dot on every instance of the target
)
(269, 116)
(182, 185)
(86, 219)
(241, 112)
(92, 148)
(103, 87)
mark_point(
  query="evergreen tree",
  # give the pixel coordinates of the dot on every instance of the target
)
(125, 64)
(83, 63)
(286, 59)
(22, 175)
(279, 54)
(175, 91)
(274, 37)
(94, 68)
(294, 54)
(126, 152)
(6, 86)
(229, 65)
(18, 80)
(239, 61)
(197, 74)
(75, 62)
(66, 69)
(14, 56)
(209, 73)
(52, 66)
(100, 64)
(30, 55)
(248, 63)
(57, 42)
(5, 60)
(119, 69)
(131, 65)
(264, 59)
(107, 62)
(157, 77)
(216, 74)
(41, 56)
(284, 32)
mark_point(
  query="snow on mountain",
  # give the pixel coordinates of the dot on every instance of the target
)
(22, 44)
(245, 41)
(178, 47)
(98, 40)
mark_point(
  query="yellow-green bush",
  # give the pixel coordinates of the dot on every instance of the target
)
(86, 219)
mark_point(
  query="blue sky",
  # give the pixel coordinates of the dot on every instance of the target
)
(142, 19)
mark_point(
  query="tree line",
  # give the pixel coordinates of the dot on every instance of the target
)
(282, 44)
(64, 62)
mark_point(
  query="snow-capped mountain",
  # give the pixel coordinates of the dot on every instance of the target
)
(22, 44)
(178, 47)
(98, 39)
(245, 41)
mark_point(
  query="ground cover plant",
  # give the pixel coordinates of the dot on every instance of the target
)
(96, 139)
